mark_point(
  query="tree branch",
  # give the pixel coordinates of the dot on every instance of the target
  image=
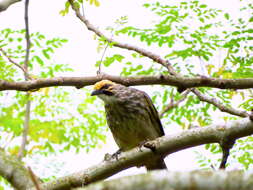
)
(80, 82)
(26, 127)
(164, 146)
(28, 42)
(14, 172)
(173, 104)
(219, 104)
(34, 179)
(4, 4)
(26, 75)
(165, 180)
(115, 43)
(13, 62)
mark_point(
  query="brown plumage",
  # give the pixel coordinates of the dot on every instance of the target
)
(131, 117)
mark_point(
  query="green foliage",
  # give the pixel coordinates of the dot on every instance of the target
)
(109, 60)
(4, 184)
(55, 123)
(78, 4)
(173, 30)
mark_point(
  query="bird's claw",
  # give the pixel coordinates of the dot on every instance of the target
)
(116, 154)
(142, 143)
(150, 145)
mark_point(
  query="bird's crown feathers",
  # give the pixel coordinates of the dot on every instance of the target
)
(99, 85)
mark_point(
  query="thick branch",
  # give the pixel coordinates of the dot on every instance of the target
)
(14, 172)
(164, 146)
(194, 180)
(4, 4)
(80, 82)
(219, 104)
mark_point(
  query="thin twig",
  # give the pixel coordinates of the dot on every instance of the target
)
(28, 103)
(219, 104)
(13, 62)
(102, 57)
(100, 63)
(173, 104)
(27, 37)
(34, 179)
(83, 8)
(26, 127)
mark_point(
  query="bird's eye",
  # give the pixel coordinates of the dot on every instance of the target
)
(107, 92)
(106, 86)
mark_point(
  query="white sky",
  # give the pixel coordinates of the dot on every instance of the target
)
(81, 53)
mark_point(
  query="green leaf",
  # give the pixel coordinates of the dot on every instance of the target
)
(227, 16)
(39, 60)
(44, 52)
(203, 6)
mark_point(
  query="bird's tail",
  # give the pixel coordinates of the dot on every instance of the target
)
(156, 164)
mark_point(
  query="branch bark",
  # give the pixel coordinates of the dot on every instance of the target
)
(26, 75)
(194, 180)
(25, 128)
(80, 82)
(173, 104)
(164, 146)
(14, 172)
(219, 104)
(4, 4)
(13, 62)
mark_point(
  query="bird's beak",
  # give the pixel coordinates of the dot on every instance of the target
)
(96, 92)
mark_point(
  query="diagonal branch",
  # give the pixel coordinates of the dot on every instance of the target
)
(173, 104)
(14, 172)
(115, 43)
(34, 179)
(219, 104)
(13, 62)
(164, 146)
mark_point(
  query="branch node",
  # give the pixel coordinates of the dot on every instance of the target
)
(181, 89)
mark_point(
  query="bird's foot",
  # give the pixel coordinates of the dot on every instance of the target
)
(109, 157)
(147, 144)
(116, 154)
(150, 145)
(141, 144)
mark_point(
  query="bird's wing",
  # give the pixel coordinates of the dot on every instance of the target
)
(154, 115)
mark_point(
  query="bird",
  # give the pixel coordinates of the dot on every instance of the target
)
(131, 117)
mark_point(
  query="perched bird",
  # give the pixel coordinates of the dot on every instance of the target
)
(131, 117)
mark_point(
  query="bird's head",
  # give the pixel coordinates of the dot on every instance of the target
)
(104, 89)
